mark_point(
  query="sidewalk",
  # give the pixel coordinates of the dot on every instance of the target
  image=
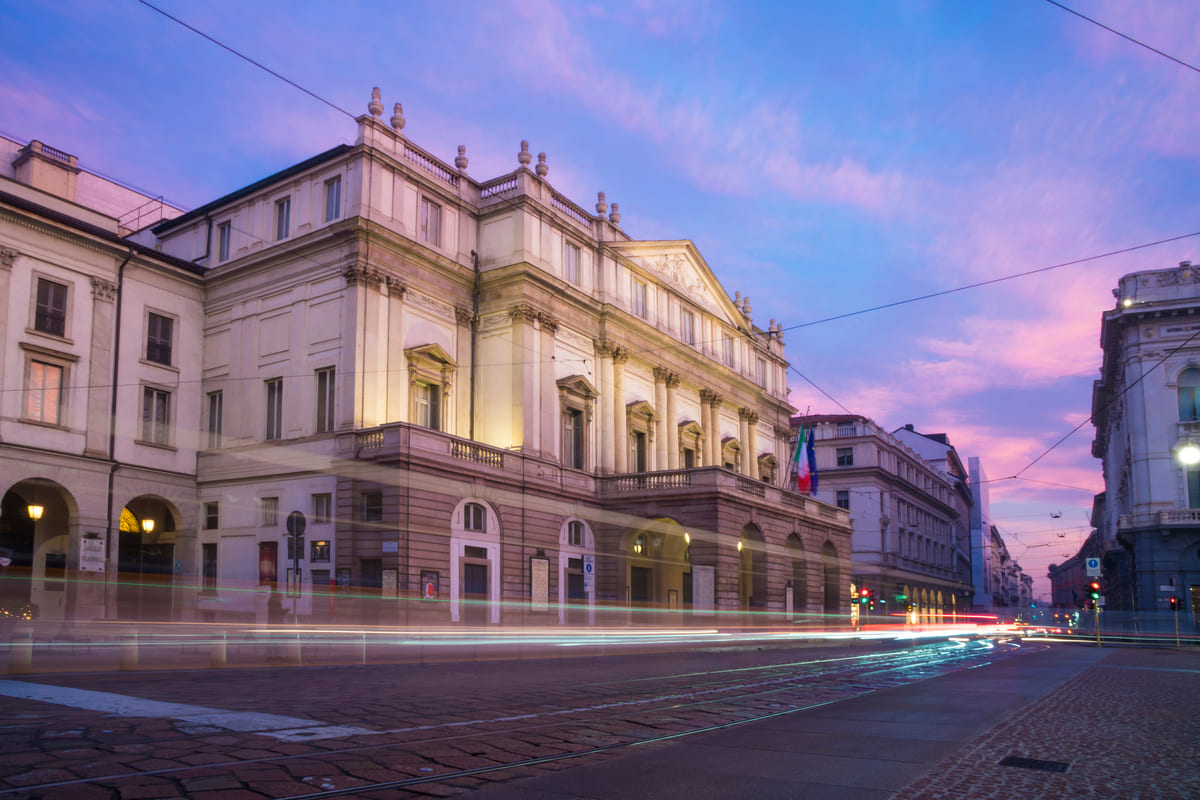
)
(1125, 722)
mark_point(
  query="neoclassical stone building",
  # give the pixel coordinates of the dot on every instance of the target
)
(1146, 409)
(479, 401)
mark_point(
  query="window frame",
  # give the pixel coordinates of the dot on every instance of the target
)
(640, 299)
(333, 198)
(59, 392)
(430, 212)
(274, 409)
(576, 527)
(283, 218)
(845, 456)
(475, 517)
(155, 431)
(224, 240)
(571, 260)
(371, 505)
(687, 326)
(48, 319)
(160, 348)
(326, 378)
(216, 418)
(843, 496)
(268, 512)
(212, 515)
(727, 354)
(322, 508)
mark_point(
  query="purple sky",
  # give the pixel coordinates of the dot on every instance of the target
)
(825, 158)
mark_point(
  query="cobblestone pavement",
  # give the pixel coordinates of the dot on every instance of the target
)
(292, 733)
(1128, 728)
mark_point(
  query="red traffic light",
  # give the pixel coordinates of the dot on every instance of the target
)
(864, 592)
(1174, 601)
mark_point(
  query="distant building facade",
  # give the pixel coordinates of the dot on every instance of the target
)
(1146, 409)
(472, 401)
(907, 510)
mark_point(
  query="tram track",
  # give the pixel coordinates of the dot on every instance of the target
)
(686, 706)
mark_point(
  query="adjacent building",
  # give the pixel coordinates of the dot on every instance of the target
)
(909, 512)
(373, 384)
(1146, 409)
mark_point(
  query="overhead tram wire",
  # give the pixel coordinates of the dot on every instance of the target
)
(247, 58)
(1124, 36)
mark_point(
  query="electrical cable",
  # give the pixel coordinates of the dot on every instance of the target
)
(1124, 36)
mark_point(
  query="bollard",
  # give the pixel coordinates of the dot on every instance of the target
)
(293, 652)
(218, 653)
(20, 655)
(129, 651)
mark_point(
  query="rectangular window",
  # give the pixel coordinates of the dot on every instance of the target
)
(573, 438)
(50, 316)
(322, 508)
(283, 218)
(320, 552)
(431, 222)
(689, 458)
(43, 401)
(274, 409)
(426, 405)
(639, 299)
(1193, 479)
(639, 452)
(575, 534)
(325, 400)
(268, 511)
(761, 372)
(156, 415)
(224, 240)
(372, 506)
(687, 326)
(333, 198)
(843, 499)
(215, 412)
(727, 349)
(845, 456)
(159, 330)
(570, 262)
(212, 516)
(208, 560)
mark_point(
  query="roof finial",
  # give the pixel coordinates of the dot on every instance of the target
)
(601, 206)
(615, 216)
(397, 117)
(542, 167)
(523, 157)
(460, 160)
(375, 107)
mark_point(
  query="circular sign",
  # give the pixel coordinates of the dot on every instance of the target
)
(296, 523)
(1093, 563)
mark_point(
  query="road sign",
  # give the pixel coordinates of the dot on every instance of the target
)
(589, 573)
(296, 523)
(1093, 567)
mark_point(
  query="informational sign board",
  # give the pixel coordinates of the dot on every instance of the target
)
(589, 574)
(91, 552)
(1093, 567)
(539, 584)
(704, 583)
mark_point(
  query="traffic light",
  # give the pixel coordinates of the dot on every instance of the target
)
(864, 595)
(1174, 601)
(1093, 591)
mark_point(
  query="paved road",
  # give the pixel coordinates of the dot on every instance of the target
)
(852, 722)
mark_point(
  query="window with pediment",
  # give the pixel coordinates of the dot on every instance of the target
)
(640, 419)
(430, 375)
(576, 398)
(691, 436)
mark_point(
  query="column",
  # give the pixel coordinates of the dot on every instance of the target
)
(620, 423)
(104, 296)
(525, 357)
(752, 444)
(672, 423)
(744, 440)
(7, 258)
(607, 445)
(710, 402)
(660, 408)
(551, 413)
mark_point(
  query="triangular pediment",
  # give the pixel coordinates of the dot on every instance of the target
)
(577, 384)
(430, 352)
(677, 265)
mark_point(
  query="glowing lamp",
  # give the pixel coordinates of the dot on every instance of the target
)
(1189, 454)
(739, 545)
(35, 512)
(1127, 302)
(148, 525)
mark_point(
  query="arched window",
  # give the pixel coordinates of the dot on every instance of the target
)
(474, 517)
(1189, 395)
(575, 533)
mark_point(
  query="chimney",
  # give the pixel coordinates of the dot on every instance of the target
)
(45, 168)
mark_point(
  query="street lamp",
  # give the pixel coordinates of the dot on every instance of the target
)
(1188, 454)
(35, 511)
(148, 525)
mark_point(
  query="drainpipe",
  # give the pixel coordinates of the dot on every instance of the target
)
(474, 339)
(207, 241)
(112, 417)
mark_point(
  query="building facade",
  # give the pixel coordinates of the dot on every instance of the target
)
(404, 392)
(1146, 409)
(907, 513)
